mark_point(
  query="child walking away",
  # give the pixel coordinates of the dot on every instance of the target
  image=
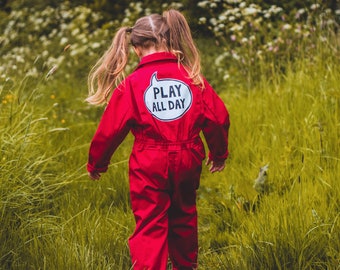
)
(165, 103)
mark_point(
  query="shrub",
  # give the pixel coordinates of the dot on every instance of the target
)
(258, 39)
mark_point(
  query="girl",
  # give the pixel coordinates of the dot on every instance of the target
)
(165, 103)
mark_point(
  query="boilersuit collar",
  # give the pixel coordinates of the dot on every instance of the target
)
(156, 57)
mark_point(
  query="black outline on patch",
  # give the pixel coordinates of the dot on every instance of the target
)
(165, 79)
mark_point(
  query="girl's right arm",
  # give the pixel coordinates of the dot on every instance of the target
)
(113, 128)
(215, 166)
(215, 129)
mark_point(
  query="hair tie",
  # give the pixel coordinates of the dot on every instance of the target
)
(128, 30)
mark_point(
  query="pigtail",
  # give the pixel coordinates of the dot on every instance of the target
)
(108, 72)
(182, 44)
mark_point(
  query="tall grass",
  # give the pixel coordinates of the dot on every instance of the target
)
(292, 123)
(53, 217)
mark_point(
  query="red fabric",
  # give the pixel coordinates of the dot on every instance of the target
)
(165, 112)
(163, 194)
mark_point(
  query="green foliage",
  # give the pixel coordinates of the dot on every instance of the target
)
(44, 142)
(54, 217)
(42, 42)
(252, 35)
(291, 125)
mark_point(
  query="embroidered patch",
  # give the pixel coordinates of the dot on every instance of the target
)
(167, 99)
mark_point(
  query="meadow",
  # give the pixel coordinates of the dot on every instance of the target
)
(54, 217)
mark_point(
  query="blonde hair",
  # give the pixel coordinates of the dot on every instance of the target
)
(170, 31)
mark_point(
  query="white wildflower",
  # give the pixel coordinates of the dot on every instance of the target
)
(286, 26)
(53, 33)
(63, 27)
(328, 11)
(235, 55)
(203, 4)
(221, 59)
(39, 21)
(297, 30)
(95, 45)
(202, 20)
(63, 41)
(275, 9)
(45, 53)
(75, 32)
(33, 72)
(244, 40)
(19, 58)
(330, 22)
(314, 6)
(213, 21)
(232, 18)
(226, 76)
(222, 17)
(250, 11)
(236, 28)
(301, 11)
(267, 15)
(243, 5)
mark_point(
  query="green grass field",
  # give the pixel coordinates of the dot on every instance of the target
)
(54, 217)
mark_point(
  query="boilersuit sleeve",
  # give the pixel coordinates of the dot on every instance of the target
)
(113, 128)
(216, 124)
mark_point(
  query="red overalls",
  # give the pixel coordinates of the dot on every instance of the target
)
(165, 112)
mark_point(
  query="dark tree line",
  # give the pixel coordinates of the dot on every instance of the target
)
(114, 9)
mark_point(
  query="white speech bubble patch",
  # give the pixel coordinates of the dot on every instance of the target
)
(167, 99)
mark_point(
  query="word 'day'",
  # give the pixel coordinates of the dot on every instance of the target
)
(167, 99)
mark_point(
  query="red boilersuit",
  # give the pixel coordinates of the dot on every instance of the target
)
(166, 113)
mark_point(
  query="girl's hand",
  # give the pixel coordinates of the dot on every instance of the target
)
(94, 175)
(215, 166)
